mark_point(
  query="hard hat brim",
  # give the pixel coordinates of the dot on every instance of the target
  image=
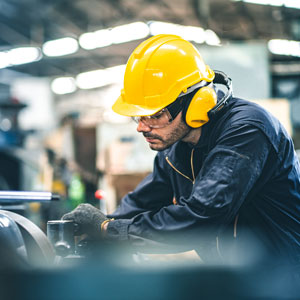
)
(131, 110)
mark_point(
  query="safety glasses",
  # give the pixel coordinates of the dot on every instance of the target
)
(158, 120)
(162, 118)
(165, 116)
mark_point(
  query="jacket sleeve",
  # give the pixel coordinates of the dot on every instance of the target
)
(153, 193)
(226, 177)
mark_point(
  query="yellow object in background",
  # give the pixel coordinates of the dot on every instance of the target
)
(34, 207)
(59, 187)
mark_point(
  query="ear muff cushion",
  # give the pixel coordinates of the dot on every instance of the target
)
(200, 104)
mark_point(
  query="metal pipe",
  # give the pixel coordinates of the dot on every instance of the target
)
(27, 196)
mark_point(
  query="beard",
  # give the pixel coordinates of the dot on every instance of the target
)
(160, 143)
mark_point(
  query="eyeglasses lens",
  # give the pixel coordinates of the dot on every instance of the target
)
(158, 120)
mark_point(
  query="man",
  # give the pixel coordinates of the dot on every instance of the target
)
(226, 179)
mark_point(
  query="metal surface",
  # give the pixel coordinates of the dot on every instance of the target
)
(61, 235)
(11, 236)
(39, 248)
(26, 196)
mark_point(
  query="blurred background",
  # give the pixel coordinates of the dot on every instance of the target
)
(61, 68)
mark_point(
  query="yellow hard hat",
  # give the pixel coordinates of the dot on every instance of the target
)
(157, 71)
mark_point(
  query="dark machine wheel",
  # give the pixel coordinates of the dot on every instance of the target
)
(39, 249)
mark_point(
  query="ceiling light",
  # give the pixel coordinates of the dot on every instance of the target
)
(3, 60)
(99, 78)
(190, 33)
(97, 39)
(24, 55)
(116, 35)
(211, 38)
(19, 56)
(63, 85)
(129, 32)
(292, 4)
(264, 2)
(286, 3)
(165, 28)
(60, 47)
(194, 34)
(284, 47)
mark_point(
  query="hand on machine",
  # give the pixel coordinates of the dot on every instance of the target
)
(76, 234)
(88, 219)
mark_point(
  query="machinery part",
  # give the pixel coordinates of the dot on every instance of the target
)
(61, 236)
(26, 196)
(39, 248)
(11, 236)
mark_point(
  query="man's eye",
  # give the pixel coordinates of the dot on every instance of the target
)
(157, 117)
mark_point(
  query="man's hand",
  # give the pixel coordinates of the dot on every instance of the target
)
(88, 218)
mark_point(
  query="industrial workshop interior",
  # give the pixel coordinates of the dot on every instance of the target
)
(62, 69)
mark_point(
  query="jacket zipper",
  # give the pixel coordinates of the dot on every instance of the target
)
(192, 166)
(235, 226)
(187, 177)
(193, 181)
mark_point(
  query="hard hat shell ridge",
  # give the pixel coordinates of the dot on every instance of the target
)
(157, 71)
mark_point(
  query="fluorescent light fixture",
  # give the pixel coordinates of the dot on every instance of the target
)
(116, 35)
(194, 34)
(4, 61)
(60, 47)
(286, 3)
(211, 38)
(100, 78)
(166, 28)
(140, 30)
(129, 32)
(19, 56)
(264, 2)
(63, 85)
(24, 55)
(97, 39)
(190, 33)
(284, 47)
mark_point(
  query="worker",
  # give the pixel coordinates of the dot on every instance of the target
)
(226, 179)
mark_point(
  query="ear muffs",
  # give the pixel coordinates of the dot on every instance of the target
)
(201, 103)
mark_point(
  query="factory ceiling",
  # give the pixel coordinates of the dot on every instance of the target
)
(33, 22)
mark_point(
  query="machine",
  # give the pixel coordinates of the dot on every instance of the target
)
(22, 242)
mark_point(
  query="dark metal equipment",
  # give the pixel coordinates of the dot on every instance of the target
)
(11, 236)
(61, 236)
(67, 244)
(38, 248)
(19, 237)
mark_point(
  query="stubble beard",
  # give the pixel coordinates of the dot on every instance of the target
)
(181, 131)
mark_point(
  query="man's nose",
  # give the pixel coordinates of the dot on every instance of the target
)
(142, 127)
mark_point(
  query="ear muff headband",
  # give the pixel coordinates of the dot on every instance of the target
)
(201, 105)
(221, 78)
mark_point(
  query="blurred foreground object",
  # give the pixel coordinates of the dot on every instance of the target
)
(21, 238)
(25, 240)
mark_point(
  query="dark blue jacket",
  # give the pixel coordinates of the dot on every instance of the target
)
(235, 195)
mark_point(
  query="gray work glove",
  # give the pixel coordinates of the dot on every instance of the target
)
(88, 218)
